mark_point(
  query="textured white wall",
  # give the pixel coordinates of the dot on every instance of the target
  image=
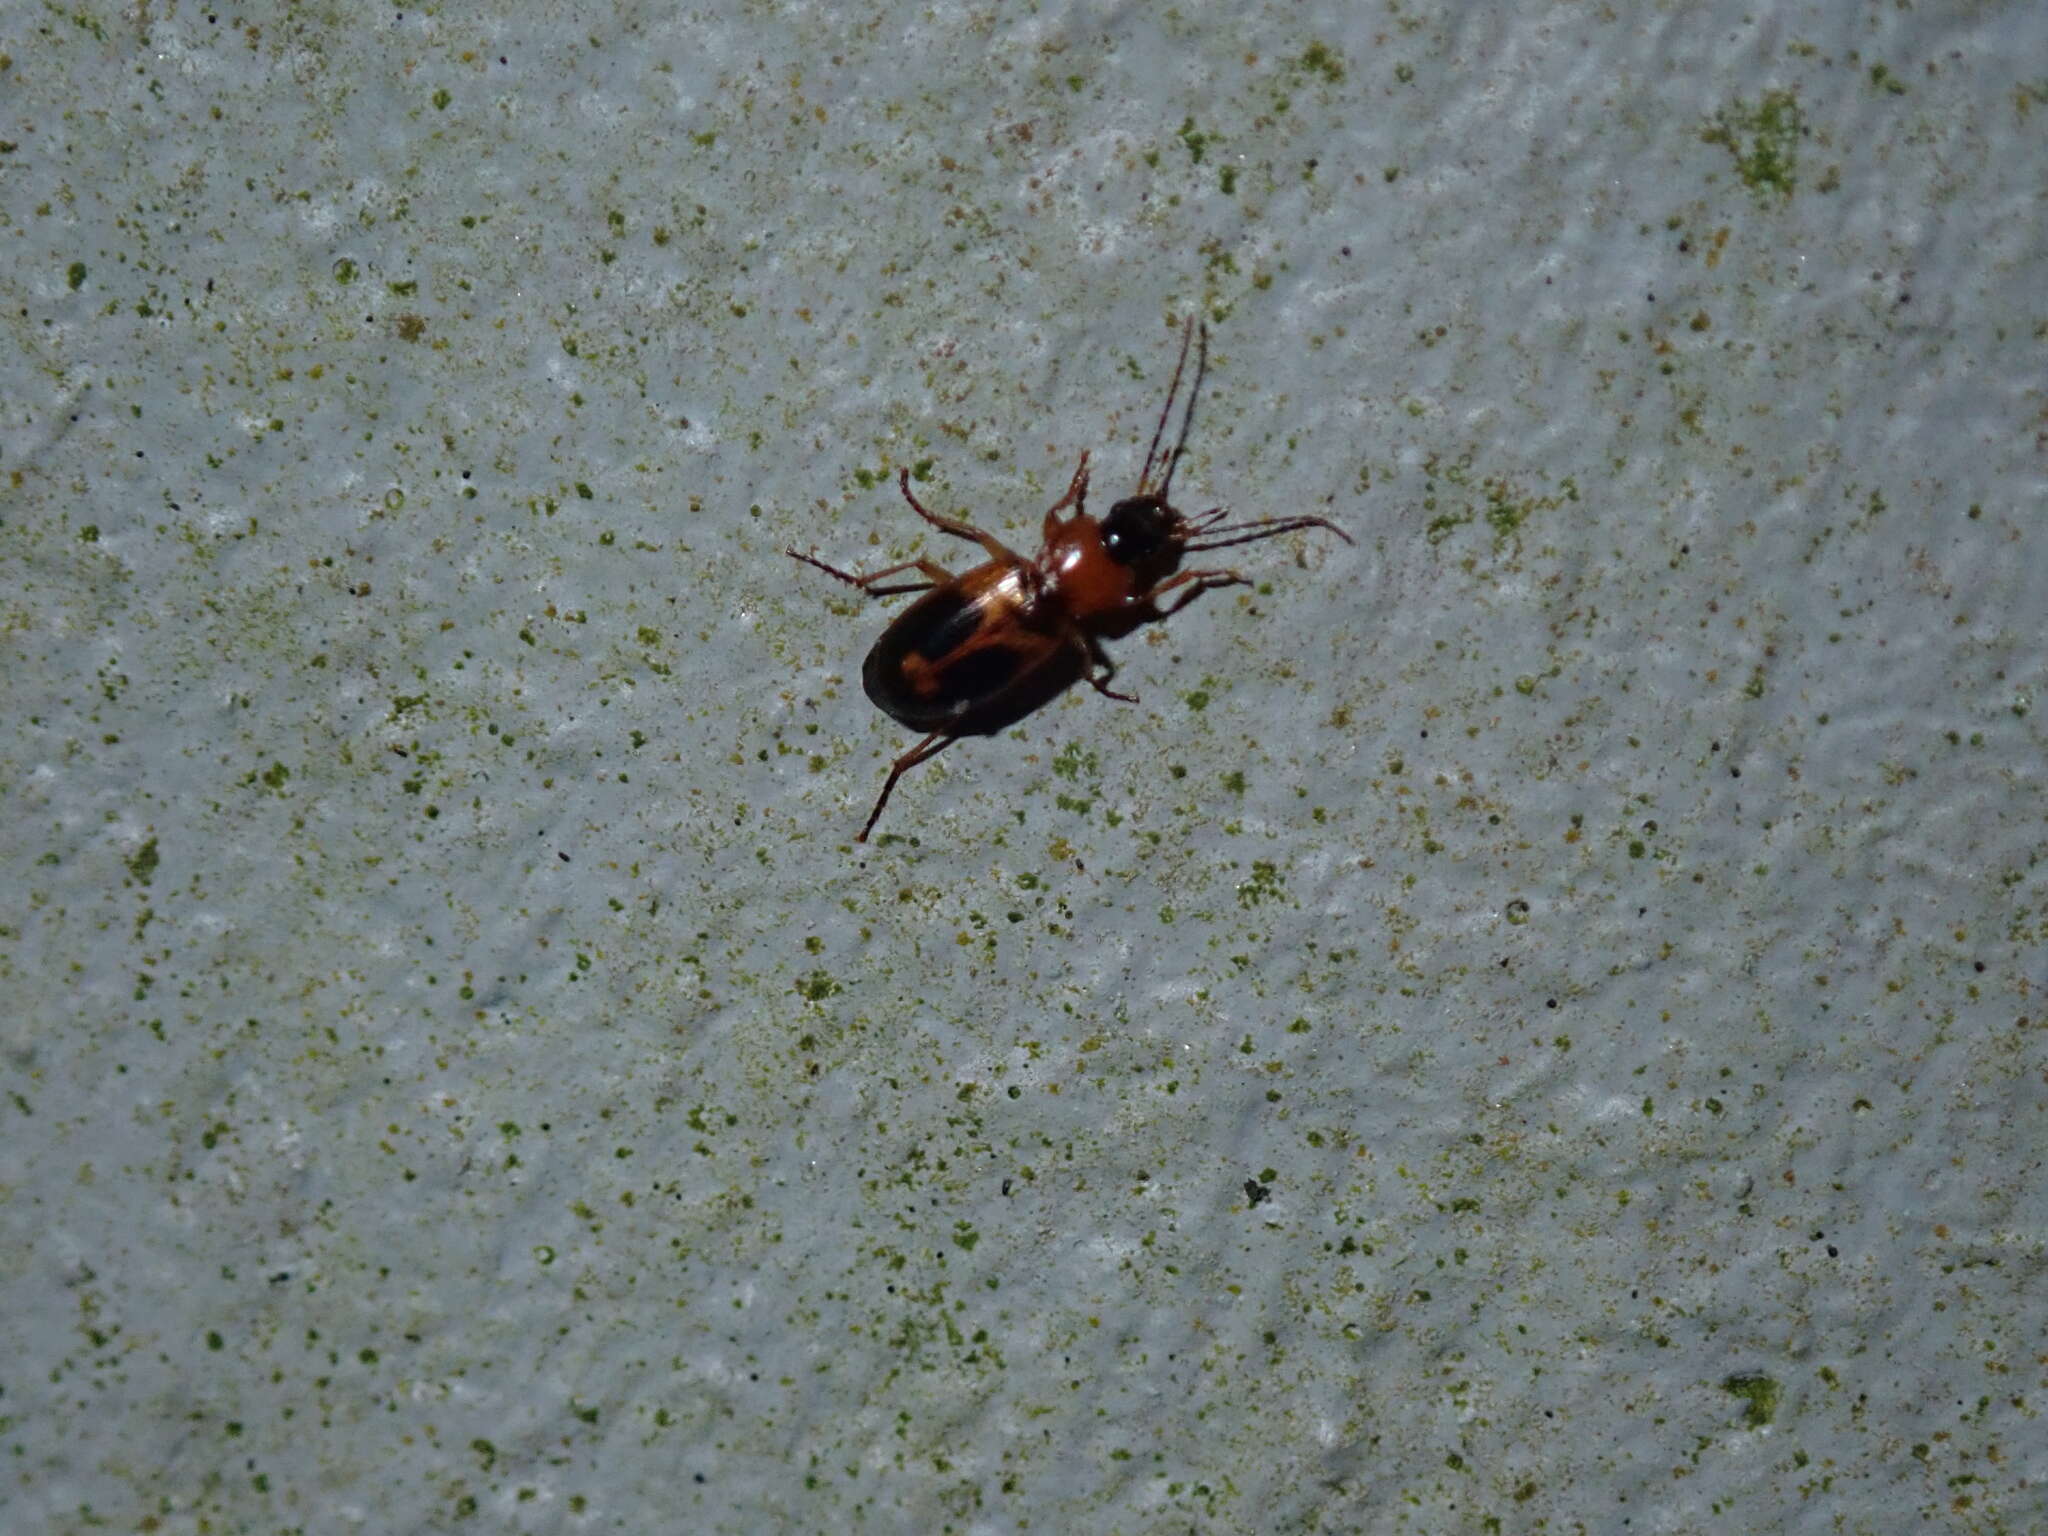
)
(457, 1061)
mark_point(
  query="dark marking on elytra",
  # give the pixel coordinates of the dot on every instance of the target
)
(981, 672)
(948, 619)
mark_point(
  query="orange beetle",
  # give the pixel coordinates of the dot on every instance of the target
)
(981, 650)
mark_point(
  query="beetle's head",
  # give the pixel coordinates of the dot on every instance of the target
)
(1140, 531)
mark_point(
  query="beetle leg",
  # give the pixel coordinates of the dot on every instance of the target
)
(931, 746)
(1076, 492)
(934, 574)
(1099, 680)
(1076, 497)
(1196, 582)
(996, 548)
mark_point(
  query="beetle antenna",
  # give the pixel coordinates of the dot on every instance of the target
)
(1187, 334)
(1223, 536)
(1194, 393)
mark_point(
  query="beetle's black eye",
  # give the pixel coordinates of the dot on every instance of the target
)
(1137, 529)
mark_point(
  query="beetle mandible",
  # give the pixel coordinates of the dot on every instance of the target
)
(981, 650)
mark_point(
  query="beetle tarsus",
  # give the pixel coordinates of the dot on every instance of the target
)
(1103, 688)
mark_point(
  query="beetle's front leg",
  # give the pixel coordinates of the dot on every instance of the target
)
(1076, 497)
(934, 575)
(1196, 582)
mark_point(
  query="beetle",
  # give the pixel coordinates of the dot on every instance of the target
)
(981, 650)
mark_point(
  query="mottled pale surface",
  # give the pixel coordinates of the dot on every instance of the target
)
(1535, 1023)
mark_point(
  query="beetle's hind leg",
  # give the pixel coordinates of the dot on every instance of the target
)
(996, 548)
(930, 747)
(934, 575)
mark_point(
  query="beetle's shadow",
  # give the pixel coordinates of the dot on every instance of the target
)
(1120, 626)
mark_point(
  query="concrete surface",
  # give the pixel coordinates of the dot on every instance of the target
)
(1534, 1023)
